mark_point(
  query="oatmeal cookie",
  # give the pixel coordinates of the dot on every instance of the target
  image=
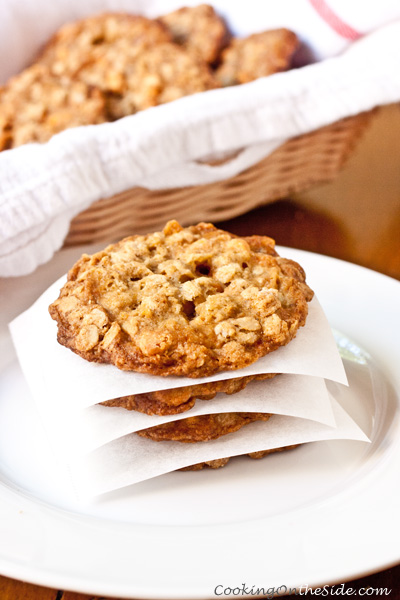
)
(101, 51)
(6, 121)
(221, 462)
(258, 55)
(183, 301)
(163, 73)
(82, 43)
(199, 29)
(35, 105)
(179, 400)
(202, 428)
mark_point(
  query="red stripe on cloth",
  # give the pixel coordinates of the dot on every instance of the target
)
(335, 22)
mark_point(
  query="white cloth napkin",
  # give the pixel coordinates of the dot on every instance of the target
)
(42, 187)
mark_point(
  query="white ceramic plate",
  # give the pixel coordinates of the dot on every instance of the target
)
(323, 513)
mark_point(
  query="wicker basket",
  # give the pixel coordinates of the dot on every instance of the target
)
(296, 165)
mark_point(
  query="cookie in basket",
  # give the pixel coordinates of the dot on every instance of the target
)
(199, 29)
(259, 55)
(80, 44)
(178, 400)
(128, 57)
(163, 73)
(202, 428)
(183, 301)
(35, 105)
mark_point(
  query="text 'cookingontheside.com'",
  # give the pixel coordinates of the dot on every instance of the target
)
(304, 590)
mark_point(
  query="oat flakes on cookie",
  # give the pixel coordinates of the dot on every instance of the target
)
(199, 29)
(35, 105)
(183, 301)
(178, 400)
(259, 55)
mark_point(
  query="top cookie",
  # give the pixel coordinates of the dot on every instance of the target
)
(191, 301)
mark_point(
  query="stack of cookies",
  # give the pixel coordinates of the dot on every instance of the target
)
(184, 302)
(112, 65)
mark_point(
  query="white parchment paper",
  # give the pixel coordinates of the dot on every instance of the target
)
(291, 395)
(132, 459)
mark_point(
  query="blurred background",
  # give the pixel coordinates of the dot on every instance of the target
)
(356, 217)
